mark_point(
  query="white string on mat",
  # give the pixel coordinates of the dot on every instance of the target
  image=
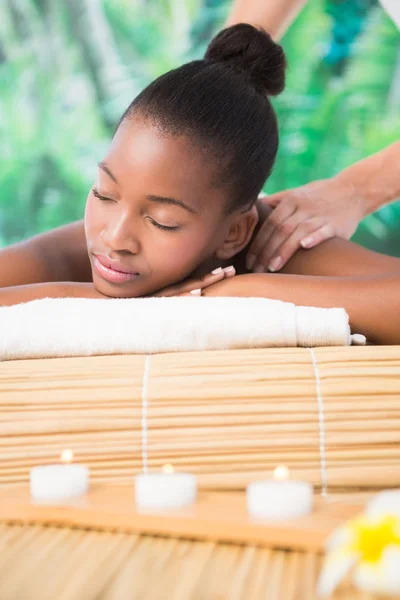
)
(321, 422)
(145, 406)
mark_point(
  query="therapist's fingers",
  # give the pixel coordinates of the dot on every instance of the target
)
(274, 199)
(280, 235)
(306, 230)
(325, 232)
(273, 223)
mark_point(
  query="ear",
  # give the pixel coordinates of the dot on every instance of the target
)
(239, 234)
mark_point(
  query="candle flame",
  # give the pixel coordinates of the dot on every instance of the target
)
(67, 456)
(168, 469)
(281, 473)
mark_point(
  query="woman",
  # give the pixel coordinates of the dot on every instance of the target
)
(175, 199)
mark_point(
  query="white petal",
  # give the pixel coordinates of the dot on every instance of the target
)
(384, 503)
(338, 538)
(335, 568)
(382, 577)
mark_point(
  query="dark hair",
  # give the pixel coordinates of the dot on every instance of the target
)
(221, 104)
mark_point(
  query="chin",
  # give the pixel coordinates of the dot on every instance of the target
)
(116, 291)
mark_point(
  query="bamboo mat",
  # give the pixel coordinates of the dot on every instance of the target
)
(48, 563)
(228, 416)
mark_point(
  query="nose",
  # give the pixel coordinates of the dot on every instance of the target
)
(119, 236)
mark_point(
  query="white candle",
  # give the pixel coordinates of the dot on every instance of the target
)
(166, 490)
(384, 503)
(55, 483)
(279, 498)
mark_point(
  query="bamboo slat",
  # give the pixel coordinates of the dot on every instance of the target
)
(44, 563)
(228, 416)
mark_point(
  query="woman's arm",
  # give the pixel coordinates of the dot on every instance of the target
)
(340, 258)
(65, 289)
(372, 303)
(57, 255)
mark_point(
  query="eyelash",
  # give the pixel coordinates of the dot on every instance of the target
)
(100, 197)
(164, 227)
(158, 225)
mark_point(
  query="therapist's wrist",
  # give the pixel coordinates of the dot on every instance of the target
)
(375, 180)
(353, 186)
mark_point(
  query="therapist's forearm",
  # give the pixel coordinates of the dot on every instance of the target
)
(376, 178)
(274, 16)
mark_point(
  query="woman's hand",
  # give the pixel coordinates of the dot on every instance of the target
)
(195, 287)
(302, 218)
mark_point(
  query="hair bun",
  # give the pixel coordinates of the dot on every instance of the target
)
(252, 52)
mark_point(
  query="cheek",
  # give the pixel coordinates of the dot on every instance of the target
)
(177, 256)
(91, 218)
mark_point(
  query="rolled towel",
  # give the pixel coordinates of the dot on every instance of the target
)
(80, 327)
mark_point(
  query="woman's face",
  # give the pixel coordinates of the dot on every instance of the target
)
(153, 216)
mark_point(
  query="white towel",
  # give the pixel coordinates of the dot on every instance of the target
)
(81, 327)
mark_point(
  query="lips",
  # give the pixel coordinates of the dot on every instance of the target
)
(114, 265)
(112, 271)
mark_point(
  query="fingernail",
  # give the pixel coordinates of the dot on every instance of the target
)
(196, 292)
(216, 271)
(259, 269)
(275, 264)
(250, 260)
(229, 270)
(307, 242)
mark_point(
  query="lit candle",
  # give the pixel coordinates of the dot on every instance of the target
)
(165, 490)
(279, 498)
(55, 483)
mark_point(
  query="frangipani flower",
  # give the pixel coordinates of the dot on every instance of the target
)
(370, 544)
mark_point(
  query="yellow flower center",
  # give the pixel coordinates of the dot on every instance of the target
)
(370, 539)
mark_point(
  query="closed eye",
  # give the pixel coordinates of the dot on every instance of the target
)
(155, 223)
(100, 197)
(164, 227)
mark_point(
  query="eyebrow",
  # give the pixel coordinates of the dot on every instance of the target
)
(160, 199)
(102, 165)
(174, 201)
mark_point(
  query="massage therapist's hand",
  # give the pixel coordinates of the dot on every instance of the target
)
(195, 286)
(304, 217)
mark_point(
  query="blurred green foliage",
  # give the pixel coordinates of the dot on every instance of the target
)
(69, 68)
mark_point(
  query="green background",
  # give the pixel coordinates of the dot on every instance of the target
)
(69, 68)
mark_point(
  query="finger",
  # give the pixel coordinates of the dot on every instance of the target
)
(278, 216)
(317, 237)
(167, 293)
(274, 199)
(229, 271)
(290, 246)
(209, 279)
(192, 294)
(275, 237)
(281, 234)
(216, 276)
(193, 284)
